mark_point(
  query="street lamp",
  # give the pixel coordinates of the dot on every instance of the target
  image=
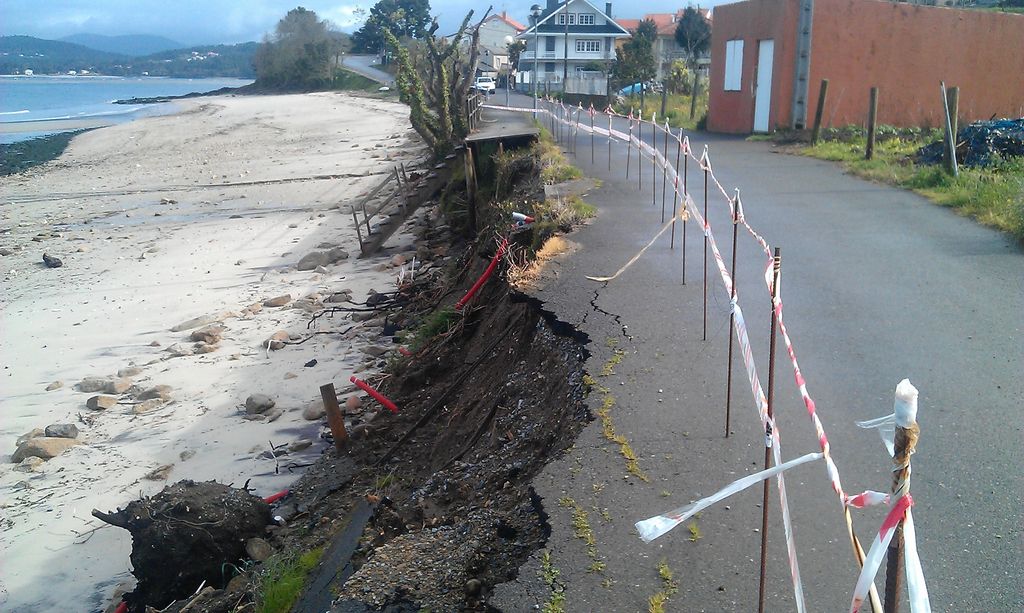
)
(535, 12)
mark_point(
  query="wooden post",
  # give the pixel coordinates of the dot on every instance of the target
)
(904, 445)
(664, 99)
(694, 92)
(872, 118)
(951, 98)
(334, 418)
(822, 94)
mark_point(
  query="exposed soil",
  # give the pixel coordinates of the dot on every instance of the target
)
(431, 507)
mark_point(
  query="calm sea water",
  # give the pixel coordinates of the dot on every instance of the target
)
(38, 98)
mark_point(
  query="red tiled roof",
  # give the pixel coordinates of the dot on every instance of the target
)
(512, 22)
(629, 24)
(665, 22)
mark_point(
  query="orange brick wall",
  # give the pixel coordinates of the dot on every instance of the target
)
(903, 49)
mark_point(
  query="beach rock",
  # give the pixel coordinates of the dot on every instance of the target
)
(146, 406)
(201, 348)
(178, 350)
(195, 322)
(101, 403)
(33, 433)
(209, 334)
(375, 350)
(129, 372)
(254, 308)
(314, 411)
(83, 249)
(312, 260)
(154, 344)
(6, 252)
(278, 301)
(162, 392)
(277, 340)
(258, 549)
(308, 304)
(398, 260)
(321, 270)
(255, 417)
(353, 404)
(159, 473)
(30, 464)
(117, 386)
(342, 296)
(300, 444)
(258, 403)
(290, 375)
(92, 384)
(61, 431)
(336, 255)
(52, 262)
(44, 447)
(188, 454)
(54, 386)
(273, 414)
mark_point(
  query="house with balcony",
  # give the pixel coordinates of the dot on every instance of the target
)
(569, 47)
(496, 32)
(666, 49)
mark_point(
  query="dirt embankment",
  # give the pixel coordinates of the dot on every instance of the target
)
(431, 507)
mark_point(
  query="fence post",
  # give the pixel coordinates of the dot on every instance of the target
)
(629, 143)
(822, 94)
(777, 269)
(654, 162)
(609, 141)
(591, 135)
(470, 187)
(904, 445)
(706, 163)
(334, 418)
(640, 151)
(872, 119)
(732, 314)
(664, 175)
(950, 101)
(675, 193)
(686, 173)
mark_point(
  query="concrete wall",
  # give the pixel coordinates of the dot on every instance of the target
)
(903, 49)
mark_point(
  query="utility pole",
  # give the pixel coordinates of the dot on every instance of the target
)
(565, 61)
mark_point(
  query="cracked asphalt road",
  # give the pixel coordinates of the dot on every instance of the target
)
(878, 285)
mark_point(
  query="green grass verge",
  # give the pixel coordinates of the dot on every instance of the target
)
(350, 81)
(281, 581)
(677, 109)
(994, 196)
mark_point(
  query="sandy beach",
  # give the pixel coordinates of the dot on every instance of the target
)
(201, 214)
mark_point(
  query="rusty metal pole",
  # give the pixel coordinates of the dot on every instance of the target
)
(767, 450)
(629, 144)
(592, 133)
(869, 151)
(334, 418)
(904, 445)
(675, 193)
(609, 142)
(706, 168)
(732, 313)
(654, 164)
(664, 178)
(640, 152)
(686, 173)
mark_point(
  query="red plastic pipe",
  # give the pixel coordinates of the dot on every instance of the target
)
(275, 497)
(122, 608)
(483, 278)
(363, 385)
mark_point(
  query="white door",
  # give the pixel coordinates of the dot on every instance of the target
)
(763, 88)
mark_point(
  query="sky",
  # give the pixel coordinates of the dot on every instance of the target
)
(232, 21)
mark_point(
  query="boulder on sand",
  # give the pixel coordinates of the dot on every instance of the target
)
(258, 403)
(45, 447)
(278, 301)
(62, 430)
(101, 403)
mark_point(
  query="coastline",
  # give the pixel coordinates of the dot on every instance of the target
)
(159, 220)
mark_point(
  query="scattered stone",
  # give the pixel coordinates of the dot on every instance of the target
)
(290, 375)
(398, 260)
(201, 348)
(128, 372)
(277, 340)
(33, 433)
(321, 270)
(30, 464)
(54, 386)
(154, 344)
(314, 411)
(83, 249)
(209, 334)
(254, 308)
(300, 444)
(353, 404)
(312, 260)
(473, 587)
(188, 454)
(52, 262)
(195, 322)
(258, 403)
(374, 350)
(163, 392)
(117, 386)
(146, 406)
(310, 364)
(258, 549)
(273, 414)
(6, 252)
(45, 447)
(61, 431)
(160, 473)
(92, 384)
(278, 301)
(178, 350)
(343, 296)
(255, 417)
(101, 403)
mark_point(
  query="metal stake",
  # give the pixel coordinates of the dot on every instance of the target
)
(654, 163)
(640, 152)
(706, 223)
(686, 173)
(675, 193)
(610, 143)
(767, 450)
(629, 145)
(664, 179)
(591, 135)
(732, 313)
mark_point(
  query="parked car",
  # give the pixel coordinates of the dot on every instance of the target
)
(484, 85)
(648, 87)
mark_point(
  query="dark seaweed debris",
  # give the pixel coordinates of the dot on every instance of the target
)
(981, 143)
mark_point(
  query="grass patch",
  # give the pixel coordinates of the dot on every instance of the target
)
(993, 196)
(554, 168)
(549, 574)
(582, 530)
(605, 415)
(349, 81)
(695, 533)
(656, 603)
(438, 322)
(677, 109)
(281, 580)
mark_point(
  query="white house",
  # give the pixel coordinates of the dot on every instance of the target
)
(573, 40)
(495, 33)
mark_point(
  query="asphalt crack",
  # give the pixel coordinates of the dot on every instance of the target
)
(616, 318)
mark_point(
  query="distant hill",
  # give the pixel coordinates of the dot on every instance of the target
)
(134, 45)
(18, 53)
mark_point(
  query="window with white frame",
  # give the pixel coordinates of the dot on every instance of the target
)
(570, 16)
(588, 46)
(586, 19)
(733, 65)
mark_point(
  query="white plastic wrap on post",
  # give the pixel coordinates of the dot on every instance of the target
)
(904, 413)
